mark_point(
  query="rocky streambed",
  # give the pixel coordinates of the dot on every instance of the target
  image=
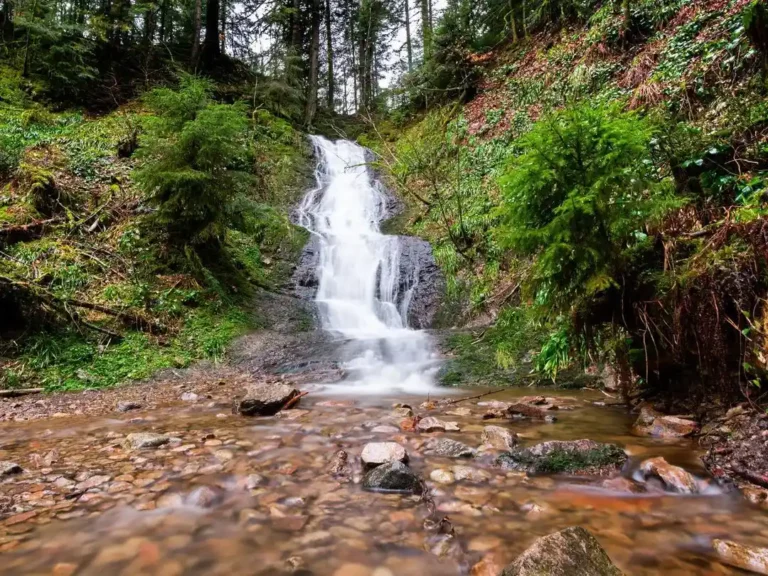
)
(167, 479)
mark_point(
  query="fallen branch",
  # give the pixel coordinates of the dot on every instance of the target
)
(448, 402)
(293, 401)
(13, 234)
(753, 477)
(130, 319)
(19, 392)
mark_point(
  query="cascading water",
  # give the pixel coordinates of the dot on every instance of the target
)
(361, 294)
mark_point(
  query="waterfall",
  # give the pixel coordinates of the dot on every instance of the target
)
(362, 295)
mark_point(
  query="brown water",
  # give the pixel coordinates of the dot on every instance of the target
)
(93, 508)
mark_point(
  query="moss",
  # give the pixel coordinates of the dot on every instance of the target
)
(65, 360)
(563, 460)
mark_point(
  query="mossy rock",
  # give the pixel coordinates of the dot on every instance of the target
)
(566, 457)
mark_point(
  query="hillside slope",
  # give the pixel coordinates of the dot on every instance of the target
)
(673, 295)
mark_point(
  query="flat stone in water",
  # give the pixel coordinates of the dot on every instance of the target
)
(448, 448)
(432, 424)
(266, 398)
(141, 440)
(570, 552)
(442, 476)
(392, 477)
(377, 453)
(498, 438)
(565, 457)
(127, 406)
(744, 557)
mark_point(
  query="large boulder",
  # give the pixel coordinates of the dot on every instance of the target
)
(672, 477)
(265, 398)
(378, 453)
(570, 552)
(392, 477)
(566, 457)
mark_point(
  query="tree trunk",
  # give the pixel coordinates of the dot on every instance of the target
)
(512, 22)
(223, 35)
(196, 32)
(296, 29)
(408, 44)
(6, 22)
(163, 18)
(525, 18)
(211, 46)
(426, 29)
(329, 51)
(314, 53)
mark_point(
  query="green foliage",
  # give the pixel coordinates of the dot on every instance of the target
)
(578, 194)
(195, 161)
(67, 362)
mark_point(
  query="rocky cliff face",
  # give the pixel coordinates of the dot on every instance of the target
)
(420, 280)
(419, 271)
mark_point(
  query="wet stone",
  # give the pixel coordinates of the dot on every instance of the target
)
(565, 457)
(672, 477)
(127, 406)
(569, 552)
(8, 468)
(392, 477)
(448, 448)
(498, 438)
(265, 399)
(377, 453)
(744, 557)
(141, 440)
(469, 474)
(432, 424)
(442, 476)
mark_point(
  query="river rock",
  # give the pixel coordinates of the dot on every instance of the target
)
(7, 468)
(378, 453)
(141, 440)
(392, 477)
(674, 478)
(448, 448)
(266, 398)
(498, 438)
(469, 474)
(442, 476)
(744, 557)
(522, 410)
(339, 465)
(565, 457)
(432, 424)
(652, 423)
(570, 552)
(127, 406)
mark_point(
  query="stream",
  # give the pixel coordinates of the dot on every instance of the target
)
(220, 493)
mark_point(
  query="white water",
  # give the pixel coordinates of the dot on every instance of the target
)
(358, 294)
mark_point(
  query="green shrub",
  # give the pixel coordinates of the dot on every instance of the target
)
(195, 164)
(577, 196)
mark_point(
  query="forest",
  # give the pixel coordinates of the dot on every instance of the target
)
(383, 287)
(591, 176)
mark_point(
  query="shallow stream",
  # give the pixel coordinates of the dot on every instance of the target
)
(270, 505)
